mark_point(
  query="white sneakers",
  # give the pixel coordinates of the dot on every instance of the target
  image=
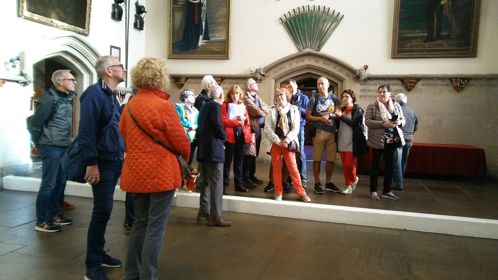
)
(348, 190)
(355, 183)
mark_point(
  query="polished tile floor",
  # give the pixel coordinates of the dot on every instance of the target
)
(259, 247)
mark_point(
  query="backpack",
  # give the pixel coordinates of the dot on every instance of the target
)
(29, 119)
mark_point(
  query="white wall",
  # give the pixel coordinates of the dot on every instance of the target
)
(34, 39)
(363, 37)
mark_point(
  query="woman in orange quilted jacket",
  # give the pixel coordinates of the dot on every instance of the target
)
(152, 172)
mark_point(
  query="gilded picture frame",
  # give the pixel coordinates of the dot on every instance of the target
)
(199, 29)
(74, 16)
(435, 28)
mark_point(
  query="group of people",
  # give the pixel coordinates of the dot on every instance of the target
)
(139, 143)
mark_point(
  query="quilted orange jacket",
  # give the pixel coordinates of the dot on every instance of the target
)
(148, 167)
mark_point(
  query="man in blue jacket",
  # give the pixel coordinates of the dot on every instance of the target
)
(103, 147)
(211, 155)
(51, 131)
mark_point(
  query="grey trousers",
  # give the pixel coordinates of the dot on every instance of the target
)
(211, 185)
(147, 235)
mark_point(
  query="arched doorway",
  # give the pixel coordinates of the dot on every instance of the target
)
(70, 53)
(306, 67)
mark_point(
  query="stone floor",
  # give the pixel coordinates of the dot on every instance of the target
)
(260, 247)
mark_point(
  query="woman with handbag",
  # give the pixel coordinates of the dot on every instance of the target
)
(238, 130)
(150, 123)
(383, 118)
(282, 126)
(352, 142)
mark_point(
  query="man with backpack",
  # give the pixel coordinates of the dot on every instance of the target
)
(51, 132)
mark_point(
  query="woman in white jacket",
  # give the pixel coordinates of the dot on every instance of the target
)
(281, 129)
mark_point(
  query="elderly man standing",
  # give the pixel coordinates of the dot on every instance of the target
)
(211, 138)
(300, 100)
(321, 114)
(257, 110)
(103, 149)
(51, 131)
(409, 129)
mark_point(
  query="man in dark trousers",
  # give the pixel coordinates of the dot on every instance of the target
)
(103, 148)
(257, 110)
(51, 131)
(211, 156)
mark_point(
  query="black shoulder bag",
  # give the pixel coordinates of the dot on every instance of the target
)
(185, 168)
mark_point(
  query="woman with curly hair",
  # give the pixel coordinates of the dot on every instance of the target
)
(152, 172)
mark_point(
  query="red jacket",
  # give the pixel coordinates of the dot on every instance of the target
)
(148, 167)
(229, 124)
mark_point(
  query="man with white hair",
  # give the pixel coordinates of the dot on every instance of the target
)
(409, 129)
(257, 110)
(51, 131)
(211, 156)
(207, 82)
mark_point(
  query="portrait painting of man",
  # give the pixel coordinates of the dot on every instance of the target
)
(435, 28)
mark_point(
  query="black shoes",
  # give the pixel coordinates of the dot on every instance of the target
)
(270, 188)
(256, 180)
(318, 189)
(202, 217)
(331, 187)
(241, 189)
(249, 184)
(218, 223)
(398, 188)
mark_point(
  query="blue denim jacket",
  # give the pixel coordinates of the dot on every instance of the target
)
(98, 133)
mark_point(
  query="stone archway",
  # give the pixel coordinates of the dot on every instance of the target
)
(305, 65)
(68, 52)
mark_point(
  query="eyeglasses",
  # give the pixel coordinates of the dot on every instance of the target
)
(117, 65)
(72, 80)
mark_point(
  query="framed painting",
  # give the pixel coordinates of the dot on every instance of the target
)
(115, 51)
(199, 29)
(435, 28)
(73, 16)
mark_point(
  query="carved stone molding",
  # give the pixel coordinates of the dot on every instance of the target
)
(409, 83)
(459, 83)
(219, 79)
(180, 81)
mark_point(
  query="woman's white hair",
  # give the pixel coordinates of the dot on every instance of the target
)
(208, 81)
(215, 92)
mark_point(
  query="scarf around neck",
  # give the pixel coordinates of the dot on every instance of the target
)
(385, 112)
(284, 121)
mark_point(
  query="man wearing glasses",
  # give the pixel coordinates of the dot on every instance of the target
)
(103, 148)
(51, 132)
(257, 110)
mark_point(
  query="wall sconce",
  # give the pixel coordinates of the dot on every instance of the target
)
(117, 10)
(139, 19)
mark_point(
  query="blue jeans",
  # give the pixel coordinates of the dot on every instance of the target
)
(103, 194)
(301, 156)
(400, 161)
(147, 236)
(53, 182)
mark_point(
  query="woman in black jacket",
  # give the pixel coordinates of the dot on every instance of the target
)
(351, 138)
